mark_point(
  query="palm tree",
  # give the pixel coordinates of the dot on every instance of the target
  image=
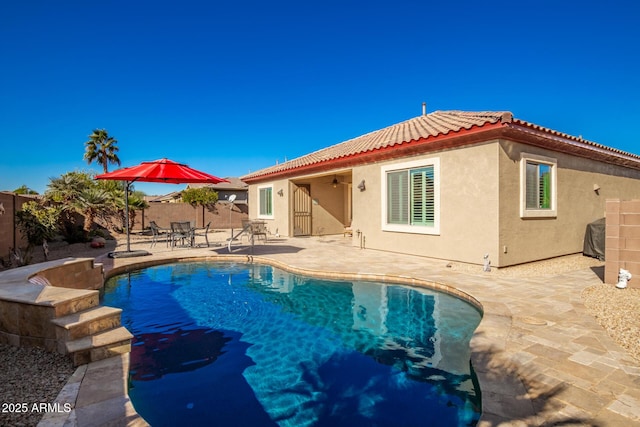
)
(90, 202)
(101, 148)
(66, 188)
(77, 192)
(24, 190)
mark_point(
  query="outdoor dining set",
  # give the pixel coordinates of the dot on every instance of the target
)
(180, 233)
(183, 234)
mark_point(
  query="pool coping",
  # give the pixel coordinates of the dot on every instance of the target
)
(508, 390)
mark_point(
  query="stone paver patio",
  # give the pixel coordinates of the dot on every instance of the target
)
(541, 359)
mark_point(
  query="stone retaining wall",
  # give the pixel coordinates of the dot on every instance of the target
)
(28, 304)
(81, 274)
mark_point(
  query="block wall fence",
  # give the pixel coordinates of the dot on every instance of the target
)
(622, 244)
(222, 216)
(10, 236)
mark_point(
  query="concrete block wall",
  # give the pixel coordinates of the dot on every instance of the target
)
(163, 213)
(622, 245)
(10, 236)
(220, 217)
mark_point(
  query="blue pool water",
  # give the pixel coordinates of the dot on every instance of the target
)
(252, 345)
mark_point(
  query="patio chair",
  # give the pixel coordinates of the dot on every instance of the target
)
(259, 228)
(157, 233)
(181, 231)
(202, 232)
(246, 230)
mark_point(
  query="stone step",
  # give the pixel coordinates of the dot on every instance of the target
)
(87, 322)
(99, 346)
(74, 301)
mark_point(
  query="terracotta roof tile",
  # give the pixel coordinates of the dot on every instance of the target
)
(429, 126)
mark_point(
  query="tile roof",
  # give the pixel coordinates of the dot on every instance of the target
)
(232, 183)
(426, 127)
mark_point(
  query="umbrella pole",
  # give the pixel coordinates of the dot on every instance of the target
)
(126, 212)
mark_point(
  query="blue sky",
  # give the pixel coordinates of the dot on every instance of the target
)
(233, 87)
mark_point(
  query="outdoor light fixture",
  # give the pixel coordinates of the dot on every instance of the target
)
(361, 185)
(334, 182)
(280, 193)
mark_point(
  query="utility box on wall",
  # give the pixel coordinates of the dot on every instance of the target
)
(622, 247)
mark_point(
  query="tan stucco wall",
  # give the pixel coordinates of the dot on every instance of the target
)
(468, 210)
(280, 221)
(327, 208)
(479, 206)
(533, 239)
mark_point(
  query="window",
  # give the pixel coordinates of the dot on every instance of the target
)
(537, 186)
(411, 197)
(265, 196)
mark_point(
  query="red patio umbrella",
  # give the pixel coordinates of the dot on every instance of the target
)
(163, 171)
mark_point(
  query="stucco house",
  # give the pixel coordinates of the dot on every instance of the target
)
(451, 185)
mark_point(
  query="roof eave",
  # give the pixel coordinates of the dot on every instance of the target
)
(433, 143)
(516, 130)
(531, 135)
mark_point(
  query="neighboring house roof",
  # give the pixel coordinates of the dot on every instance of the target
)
(234, 184)
(170, 197)
(441, 130)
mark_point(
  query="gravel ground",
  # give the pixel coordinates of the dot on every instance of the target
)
(34, 375)
(29, 376)
(618, 312)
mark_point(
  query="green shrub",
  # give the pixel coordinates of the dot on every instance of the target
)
(38, 222)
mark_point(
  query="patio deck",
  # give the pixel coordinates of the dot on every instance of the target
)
(541, 358)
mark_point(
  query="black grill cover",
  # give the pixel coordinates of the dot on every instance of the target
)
(594, 239)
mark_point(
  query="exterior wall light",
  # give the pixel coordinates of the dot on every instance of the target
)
(361, 186)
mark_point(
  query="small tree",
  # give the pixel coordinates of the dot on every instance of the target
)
(38, 223)
(204, 196)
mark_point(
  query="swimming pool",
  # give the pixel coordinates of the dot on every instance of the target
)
(231, 344)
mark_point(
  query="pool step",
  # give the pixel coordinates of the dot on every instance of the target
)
(87, 322)
(68, 301)
(99, 346)
(90, 332)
